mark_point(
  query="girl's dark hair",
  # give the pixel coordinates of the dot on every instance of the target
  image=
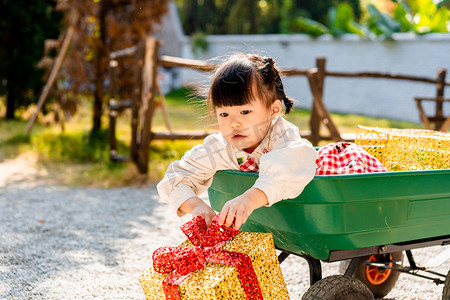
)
(236, 81)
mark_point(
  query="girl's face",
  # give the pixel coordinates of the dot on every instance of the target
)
(244, 126)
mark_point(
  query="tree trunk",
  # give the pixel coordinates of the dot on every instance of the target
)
(98, 103)
(100, 69)
(11, 102)
(191, 19)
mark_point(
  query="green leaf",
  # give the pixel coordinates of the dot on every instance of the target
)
(342, 21)
(401, 16)
(426, 7)
(382, 24)
(344, 14)
(439, 4)
(439, 21)
(423, 26)
(332, 16)
(286, 9)
(355, 27)
(332, 20)
(199, 43)
(308, 26)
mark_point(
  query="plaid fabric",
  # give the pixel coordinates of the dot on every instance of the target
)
(346, 158)
(249, 166)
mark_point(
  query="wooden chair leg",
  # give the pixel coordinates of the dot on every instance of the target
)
(164, 107)
(314, 125)
(322, 111)
(423, 116)
(446, 125)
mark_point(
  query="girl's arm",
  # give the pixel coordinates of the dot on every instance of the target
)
(287, 168)
(192, 175)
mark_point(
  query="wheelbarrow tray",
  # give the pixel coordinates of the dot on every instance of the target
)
(341, 212)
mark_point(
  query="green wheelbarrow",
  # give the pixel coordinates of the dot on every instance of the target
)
(367, 220)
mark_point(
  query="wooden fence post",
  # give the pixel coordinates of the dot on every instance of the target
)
(440, 93)
(148, 91)
(315, 120)
(136, 100)
(319, 106)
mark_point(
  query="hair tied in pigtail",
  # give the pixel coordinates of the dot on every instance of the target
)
(268, 69)
(268, 60)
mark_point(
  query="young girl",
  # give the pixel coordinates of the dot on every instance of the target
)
(245, 95)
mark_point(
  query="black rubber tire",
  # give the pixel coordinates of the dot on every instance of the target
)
(381, 290)
(338, 287)
(446, 290)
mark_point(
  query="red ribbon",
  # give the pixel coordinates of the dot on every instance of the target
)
(182, 261)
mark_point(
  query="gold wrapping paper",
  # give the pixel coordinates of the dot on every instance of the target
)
(217, 281)
(406, 149)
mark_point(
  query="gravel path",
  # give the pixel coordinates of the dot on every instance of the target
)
(73, 243)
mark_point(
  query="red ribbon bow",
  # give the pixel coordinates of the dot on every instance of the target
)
(182, 261)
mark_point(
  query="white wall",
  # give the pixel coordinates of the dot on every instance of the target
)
(170, 32)
(408, 54)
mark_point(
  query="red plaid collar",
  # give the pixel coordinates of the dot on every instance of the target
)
(250, 164)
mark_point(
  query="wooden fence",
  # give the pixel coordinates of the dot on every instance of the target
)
(144, 103)
(316, 78)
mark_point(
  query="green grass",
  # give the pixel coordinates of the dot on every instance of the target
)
(77, 158)
(12, 138)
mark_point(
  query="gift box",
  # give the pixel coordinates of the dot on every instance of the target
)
(219, 280)
(406, 149)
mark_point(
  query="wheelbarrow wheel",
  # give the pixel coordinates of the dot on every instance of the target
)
(338, 287)
(446, 291)
(379, 280)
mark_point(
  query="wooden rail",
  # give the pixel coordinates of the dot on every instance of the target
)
(127, 52)
(386, 76)
(172, 61)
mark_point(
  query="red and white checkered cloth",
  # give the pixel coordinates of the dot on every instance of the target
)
(249, 166)
(346, 158)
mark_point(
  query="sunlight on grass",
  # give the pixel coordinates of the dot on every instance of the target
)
(12, 138)
(76, 158)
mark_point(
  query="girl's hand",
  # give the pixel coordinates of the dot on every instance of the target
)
(241, 207)
(206, 212)
(197, 207)
(238, 208)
